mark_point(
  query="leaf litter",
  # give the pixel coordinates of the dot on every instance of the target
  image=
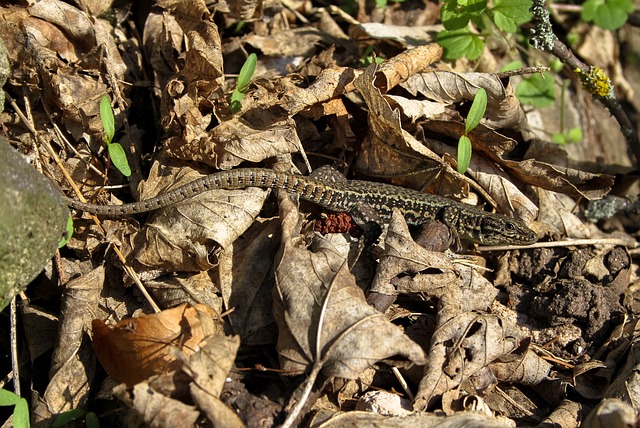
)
(264, 321)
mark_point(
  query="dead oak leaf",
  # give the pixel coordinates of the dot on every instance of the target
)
(137, 348)
(322, 315)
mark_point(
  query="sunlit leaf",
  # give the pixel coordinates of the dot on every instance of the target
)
(119, 158)
(477, 110)
(464, 154)
(106, 116)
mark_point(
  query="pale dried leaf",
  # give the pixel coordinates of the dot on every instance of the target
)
(406, 35)
(417, 109)
(462, 345)
(503, 108)
(323, 316)
(524, 367)
(357, 419)
(155, 410)
(296, 42)
(235, 141)
(210, 365)
(556, 212)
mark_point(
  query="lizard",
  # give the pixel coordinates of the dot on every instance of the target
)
(466, 221)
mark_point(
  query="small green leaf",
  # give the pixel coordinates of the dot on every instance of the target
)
(8, 398)
(455, 15)
(575, 135)
(537, 90)
(106, 116)
(91, 421)
(559, 139)
(69, 233)
(381, 4)
(464, 154)
(21, 414)
(246, 73)
(607, 14)
(477, 110)
(460, 43)
(119, 158)
(510, 14)
(67, 417)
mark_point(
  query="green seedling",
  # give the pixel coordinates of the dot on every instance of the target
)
(574, 135)
(607, 14)
(20, 409)
(116, 152)
(90, 418)
(476, 112)
(244, 78)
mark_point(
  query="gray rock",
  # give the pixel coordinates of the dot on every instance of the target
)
(33, 219)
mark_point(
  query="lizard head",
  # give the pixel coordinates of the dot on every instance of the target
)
(501, 230)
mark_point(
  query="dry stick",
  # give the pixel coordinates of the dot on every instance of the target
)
(593, 79)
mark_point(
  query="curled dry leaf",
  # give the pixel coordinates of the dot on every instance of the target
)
(406, 267)
(323, 316)
(234, 141)
(389, 150)
(523, 366)
(503, 108)
(462, 345)
(155, 409)
(137, 348)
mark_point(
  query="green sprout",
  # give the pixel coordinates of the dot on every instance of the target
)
(244, 78)
(90, 418)
(476, 112)
(20, 409)
(116, 152)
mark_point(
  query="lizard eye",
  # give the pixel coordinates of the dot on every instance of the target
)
(510, 227)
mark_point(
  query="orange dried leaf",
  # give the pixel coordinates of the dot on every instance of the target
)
(137, 348)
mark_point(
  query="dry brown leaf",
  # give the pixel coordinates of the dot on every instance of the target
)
(137, 348)
(155, 410)
(556, 213)
(355, 419)
(245, 279)
(462, 345)
(234, 141)
(405, 35)
(523, 366)
(296, 42)
(406, 267)
(388, 149)
(323, 317)
(209, 368)
(401, 67)
(503, 108)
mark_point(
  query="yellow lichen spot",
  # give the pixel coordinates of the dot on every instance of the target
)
(596, 82)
